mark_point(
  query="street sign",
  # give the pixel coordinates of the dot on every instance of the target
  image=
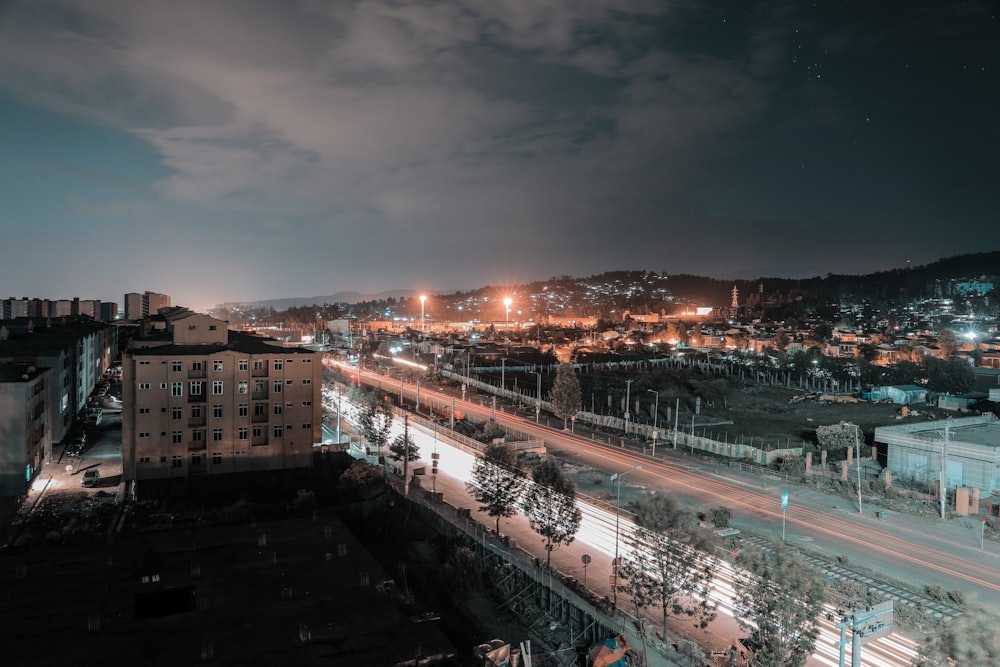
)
(784, 500)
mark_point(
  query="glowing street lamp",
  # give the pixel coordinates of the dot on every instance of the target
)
(423, 298)
(506, 302)
(618, 504)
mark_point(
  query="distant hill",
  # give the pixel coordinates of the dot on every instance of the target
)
(339, 297)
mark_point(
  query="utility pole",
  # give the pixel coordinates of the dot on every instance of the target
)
(944, 467)
(677, 417)
(656, 413)
(857, 462)
(406, 455)
(628, 396)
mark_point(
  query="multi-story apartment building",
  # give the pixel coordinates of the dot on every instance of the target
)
(142, 305)
(77, 349)
(202, 400)
(25, 439)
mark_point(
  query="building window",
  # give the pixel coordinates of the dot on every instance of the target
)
(143, 363)
(212, 327)
(216, 458)
(277, 386)
(143, 411)
(258, 431)
(244, 364)
(277, 364)
(277, 408)
(217, 387)
(307, 360)
(177, 437)
(176, 388)
(177, 413)
(307, 427)
(217, 365)
(176, 461)
(259, 409)
(176, 366)
(258, 364)
(243, 386)
(307, 403)
(217, 411)
(197, 436)
(197, 365)
(143, 459)
(277, 430)
(242, 431)
(289, 381)
(307, 381)
(289, 404)
(259, 386)
(163, 385)
(192, 327)
(196, 412)
(144, 434)
(197, 388)
(217, 435)
(163, 459)
(244, 410)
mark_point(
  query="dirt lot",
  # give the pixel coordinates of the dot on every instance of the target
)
(766, 415)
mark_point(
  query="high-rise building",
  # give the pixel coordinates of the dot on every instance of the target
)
(142, 305)
(202, 400)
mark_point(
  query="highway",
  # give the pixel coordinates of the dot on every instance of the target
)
(903, 550)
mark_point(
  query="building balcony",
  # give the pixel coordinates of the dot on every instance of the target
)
(197, 398)
(197, 445)
(197, 421)
(259, 395)
(258, 441)
(198, 375)
(258, 372)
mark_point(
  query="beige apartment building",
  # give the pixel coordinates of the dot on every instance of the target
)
(202, 400)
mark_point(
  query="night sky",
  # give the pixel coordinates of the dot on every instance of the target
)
(222, 151)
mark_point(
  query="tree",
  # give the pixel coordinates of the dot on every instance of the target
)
(404, 449)
(497, 482)
(969, 640)
(778, 598)
(947, 342)
(374, 419)
(565, 394)
(549, 502)
(669, 562)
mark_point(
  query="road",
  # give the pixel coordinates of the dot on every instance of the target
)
(945, 554)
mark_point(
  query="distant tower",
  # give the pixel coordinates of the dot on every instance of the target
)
(735, 305)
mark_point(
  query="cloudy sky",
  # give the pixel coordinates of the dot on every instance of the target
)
(259, 149)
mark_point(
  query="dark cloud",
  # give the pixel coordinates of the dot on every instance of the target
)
(372, 145)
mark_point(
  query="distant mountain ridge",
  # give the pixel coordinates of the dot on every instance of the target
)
(339, 297)
(906, 282)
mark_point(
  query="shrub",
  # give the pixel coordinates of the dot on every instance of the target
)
(721, 517)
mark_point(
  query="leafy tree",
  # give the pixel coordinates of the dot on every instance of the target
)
(947, 342)
(778, 598)
(954, 375)
(969, 640)
(374, 419)
(550, 505)
(497, 482)
(669, 562)
(403, 448)
(565, 394)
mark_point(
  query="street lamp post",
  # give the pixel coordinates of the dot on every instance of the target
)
(422, 300)
(617, 477)
(503, 370)
(506, 302)
(656, 413)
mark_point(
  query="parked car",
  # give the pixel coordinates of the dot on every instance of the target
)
(91, 477)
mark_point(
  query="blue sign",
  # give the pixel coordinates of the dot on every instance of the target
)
(784, 500)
